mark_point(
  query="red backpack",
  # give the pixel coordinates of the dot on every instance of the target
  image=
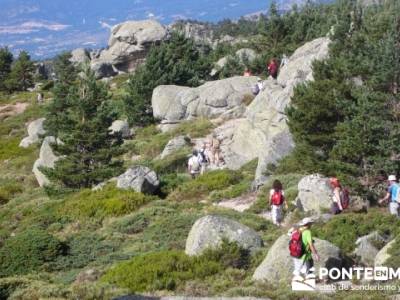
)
(345, 198)
(296, 244)
(277, 198)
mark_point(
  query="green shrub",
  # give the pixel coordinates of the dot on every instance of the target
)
(394, 252)
(9, 190)
(29, 251)
(195, 129)
(107, 202)
(9, 148)
(160, 271)
(170, 182)
(343, 230)
(173, 163)
(83, 248)
(204, 184)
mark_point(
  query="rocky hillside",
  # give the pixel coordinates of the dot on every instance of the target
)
(96, 200)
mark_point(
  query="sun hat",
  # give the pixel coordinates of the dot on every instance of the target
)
(392, 178)
(306, 221)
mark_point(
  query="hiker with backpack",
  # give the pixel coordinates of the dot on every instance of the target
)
(392, 195)
(302, 250)
(194, 164)
(215, 150)
(273, 68)
(340, 197)
(277, 200)
(204, 158)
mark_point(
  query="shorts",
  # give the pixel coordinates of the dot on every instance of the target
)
(394, 208)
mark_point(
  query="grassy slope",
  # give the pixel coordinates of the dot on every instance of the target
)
(99, 230)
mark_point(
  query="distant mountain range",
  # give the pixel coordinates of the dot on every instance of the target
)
(47, 27)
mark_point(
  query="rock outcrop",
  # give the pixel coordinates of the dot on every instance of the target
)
(315, 194)
(366, 249)
(121, 126)
(47, 159)
(243, 55)
(80, 56)
(383, 255)
(140, 179)
(221, 98)
(264, 122)
(35, 130)
(174, 145)
(278, 266)
(210, 231)
(128, 45)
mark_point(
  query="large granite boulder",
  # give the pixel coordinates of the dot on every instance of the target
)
(264, 122)
(210, 231)
(80, 56)
(140, 179)
(382, 256)
(121, 126)
(315, 194)
(35, 130)
(174, 145)
(367, 248)
(244, 55)
(103, 69)
(278, 265)
(174, 104)
(47, 159)
(129, 44)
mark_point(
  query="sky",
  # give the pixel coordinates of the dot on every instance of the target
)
(47, 27)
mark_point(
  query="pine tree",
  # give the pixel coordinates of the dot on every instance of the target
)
(21, 76)
(6, 59)
(88, 148)
(66, 74)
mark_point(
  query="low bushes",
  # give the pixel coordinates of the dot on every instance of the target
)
(203, 185)
(9, 148)
(343, 230)
(29, 251)
(8, 190)
(107, 202)
(167, 270)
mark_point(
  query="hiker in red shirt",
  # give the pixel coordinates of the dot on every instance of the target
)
(273, 68)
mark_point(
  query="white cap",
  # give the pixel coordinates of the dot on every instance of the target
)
(392, 178)
(306, 221)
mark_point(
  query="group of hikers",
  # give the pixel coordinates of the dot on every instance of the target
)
(208, 154)
(301, 244)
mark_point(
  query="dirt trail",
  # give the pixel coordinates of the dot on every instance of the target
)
(12, 110)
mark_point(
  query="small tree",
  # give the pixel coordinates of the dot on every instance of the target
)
(88, 148)
(6, 59)
(21, 76)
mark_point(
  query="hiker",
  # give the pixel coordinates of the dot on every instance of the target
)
(284, 61)
(40, 98)
(215, 150)
(336, 207)
(277, 200)
(247, 73)
(302, 249)
(194, 165)
(258, 87)
(392, 195)
(204, 158)
(273, 68)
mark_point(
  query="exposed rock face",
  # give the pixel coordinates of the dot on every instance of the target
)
(174, 145)
(121, 126)
(80, 56)
(366, 248)
(278, 266)
(209, 231)
(383, 255)
(242, 54)
(200, 33)
(173, 104)
(264, 122)
(35, 129)
(46, 159)
(140, 179)
(103, 69)
(129, 44)
(314, 194)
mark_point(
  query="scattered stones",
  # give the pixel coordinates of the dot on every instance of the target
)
(35, 130)
(121, 126)
(367, 247)
(174, 145)
(46, 159)
(140, 179)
